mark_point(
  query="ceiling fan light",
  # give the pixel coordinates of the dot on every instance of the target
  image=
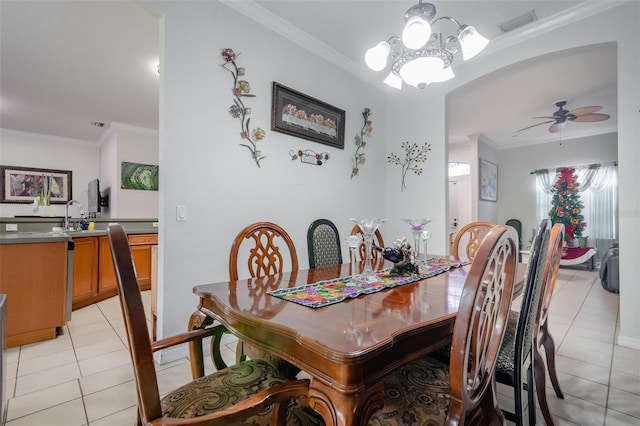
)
(376, 57)
(471, 41)
(444, 75)
(416, 32)
(421, 71)
(393, 81)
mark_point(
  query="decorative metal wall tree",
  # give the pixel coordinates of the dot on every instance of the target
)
(414, 155)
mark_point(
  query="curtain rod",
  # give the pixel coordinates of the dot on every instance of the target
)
(584, 166)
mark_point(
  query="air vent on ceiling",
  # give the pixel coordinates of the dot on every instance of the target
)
(518, 21)
(97, 123)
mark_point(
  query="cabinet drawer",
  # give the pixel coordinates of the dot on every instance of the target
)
(142, 239)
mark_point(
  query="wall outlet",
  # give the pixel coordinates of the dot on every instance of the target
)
(11, 227)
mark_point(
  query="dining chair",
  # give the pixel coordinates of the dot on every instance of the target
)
(376, 256)
(323, 244)
(515, 359)
(267, 244)
(542, 337)
(430, 392)
(517, 225)
(471, 236)
(251, 392)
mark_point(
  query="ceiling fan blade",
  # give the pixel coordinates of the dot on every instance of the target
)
(588, 118)
(585, 110)
(547, 117)
(539, 124)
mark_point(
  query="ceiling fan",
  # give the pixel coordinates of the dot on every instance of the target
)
(560, 118)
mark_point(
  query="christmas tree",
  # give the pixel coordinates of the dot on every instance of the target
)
(566, 207)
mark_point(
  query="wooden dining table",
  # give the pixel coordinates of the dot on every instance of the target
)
(347, 347)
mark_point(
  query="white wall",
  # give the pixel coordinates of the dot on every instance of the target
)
(204, 168)
(21, 149)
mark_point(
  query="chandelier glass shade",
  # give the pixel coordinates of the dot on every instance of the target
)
(421, 57)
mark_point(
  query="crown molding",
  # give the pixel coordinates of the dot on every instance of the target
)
(57, 139)
(253, 10)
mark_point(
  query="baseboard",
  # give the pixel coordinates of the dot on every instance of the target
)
(629, 342)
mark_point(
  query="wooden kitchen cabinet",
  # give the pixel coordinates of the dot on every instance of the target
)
(34, 278)
(85, 271)
(107, 286)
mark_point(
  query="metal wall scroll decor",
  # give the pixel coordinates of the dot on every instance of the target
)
(358, 155)
(242, 89)
(310, 157)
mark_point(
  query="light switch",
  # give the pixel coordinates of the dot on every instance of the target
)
(181, 213)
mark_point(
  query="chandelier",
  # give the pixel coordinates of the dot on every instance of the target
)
(420, 57)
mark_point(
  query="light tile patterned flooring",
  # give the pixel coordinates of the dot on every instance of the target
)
(84, 376)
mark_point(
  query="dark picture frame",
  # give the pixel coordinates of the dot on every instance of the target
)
(297, 114)
(23, 184)
(488, 181)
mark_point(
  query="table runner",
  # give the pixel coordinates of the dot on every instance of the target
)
(328, 292)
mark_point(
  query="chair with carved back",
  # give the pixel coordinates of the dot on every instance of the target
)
(252, 392)
(323, 244)
(462, 392)
(271, 250)
(470, 236)
(515, 360)
(542, 337)
(376, 256)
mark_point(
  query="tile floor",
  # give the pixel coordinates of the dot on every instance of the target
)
(84, 377)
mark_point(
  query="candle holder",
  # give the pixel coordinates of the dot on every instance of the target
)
(417, 226)
(368, 228)
(353, 241)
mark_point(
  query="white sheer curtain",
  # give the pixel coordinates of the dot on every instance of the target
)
(598, 193)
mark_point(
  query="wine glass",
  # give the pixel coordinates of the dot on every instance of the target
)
(368, 228)
(417, 226)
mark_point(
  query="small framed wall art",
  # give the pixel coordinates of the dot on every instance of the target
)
(488, 181)
(297, 114)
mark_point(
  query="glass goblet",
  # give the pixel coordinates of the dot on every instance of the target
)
(417, 226)
(368, 228)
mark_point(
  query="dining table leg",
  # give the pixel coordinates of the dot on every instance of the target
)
(196, 321)
(340, 409)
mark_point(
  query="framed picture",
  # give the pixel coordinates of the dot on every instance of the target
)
(300, 115)
(139, 176)
(23, 184)
(488, 181)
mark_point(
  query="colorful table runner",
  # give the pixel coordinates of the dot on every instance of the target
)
(328, 292)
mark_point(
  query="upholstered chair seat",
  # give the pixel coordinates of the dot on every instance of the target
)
(416, 394)
(230, 386)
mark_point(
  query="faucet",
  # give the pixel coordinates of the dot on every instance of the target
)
(66, 213)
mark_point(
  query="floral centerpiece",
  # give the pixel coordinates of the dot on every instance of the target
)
(358, 156)
(566, 207)
(242, 89)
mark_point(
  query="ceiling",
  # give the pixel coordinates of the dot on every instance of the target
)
(96, 61)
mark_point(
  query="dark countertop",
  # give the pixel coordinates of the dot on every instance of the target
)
(50, 237)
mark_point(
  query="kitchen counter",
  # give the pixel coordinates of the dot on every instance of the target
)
(48, 237)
